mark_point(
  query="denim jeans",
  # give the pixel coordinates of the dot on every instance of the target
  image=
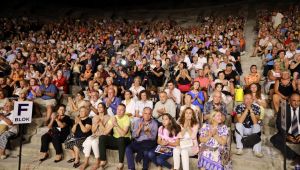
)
(134, 147)
(159, 159)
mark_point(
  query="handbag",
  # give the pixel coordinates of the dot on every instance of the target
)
(250, 140)
(184, 87)
(185, 143)
(3, 128)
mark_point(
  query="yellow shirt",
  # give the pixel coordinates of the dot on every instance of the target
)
(123, 122)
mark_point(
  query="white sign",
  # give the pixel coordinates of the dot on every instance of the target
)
(22, 112)
(283, 114)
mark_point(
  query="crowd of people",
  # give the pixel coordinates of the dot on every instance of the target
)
(150, 90)
(278, 44)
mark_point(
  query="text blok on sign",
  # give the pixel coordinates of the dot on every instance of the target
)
(22, 112)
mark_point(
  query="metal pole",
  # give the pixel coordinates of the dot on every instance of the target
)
(20, 150)
(284, 150)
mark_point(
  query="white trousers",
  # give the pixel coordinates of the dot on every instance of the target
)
(185, 154)
(91, 143)
(246, 131)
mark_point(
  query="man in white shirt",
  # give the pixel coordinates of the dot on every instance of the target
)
(291, 52)
(202, 60)
(94, 100)
(173, 92)
(164, 105)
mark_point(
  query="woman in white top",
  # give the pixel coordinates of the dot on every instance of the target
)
(188, 139)
(129, 103)
(136, 87)
(142, 103)
(188, 103)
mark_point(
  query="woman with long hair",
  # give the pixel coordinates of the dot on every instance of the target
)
(198, 97)
(167, 137)
(92, 142)
(188, 139)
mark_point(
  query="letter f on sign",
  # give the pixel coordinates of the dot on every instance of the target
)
(22, 107)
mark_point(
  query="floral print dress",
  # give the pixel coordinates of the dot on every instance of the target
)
(210, 152)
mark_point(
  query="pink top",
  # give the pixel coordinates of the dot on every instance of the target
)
(163, 133)
(204, 82)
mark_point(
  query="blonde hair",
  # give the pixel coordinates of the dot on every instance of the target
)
(212, 115)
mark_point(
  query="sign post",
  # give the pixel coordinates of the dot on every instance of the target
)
(22, 114)
(283, 126)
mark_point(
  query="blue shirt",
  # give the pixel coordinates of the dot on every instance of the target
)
(50, 89)
(269, 57)
(196, 102)
(153, 126)
(113, 104)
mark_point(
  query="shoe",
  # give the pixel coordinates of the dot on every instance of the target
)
(3, 157)
(71, 160)
(120, 166)
(76, 165)
(45, 157)
(258, 154)
(239, 151)
(58, 160)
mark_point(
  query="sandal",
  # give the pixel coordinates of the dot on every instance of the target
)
(44, 158)
(71, 160)
(76, 165)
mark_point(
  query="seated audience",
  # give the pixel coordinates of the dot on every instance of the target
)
(143, 102)
(247, 123)
(167, 136)
(7, 128)
(252, 77)
(292, 128)
(99, 123)
(111, 101)
(80, 131)
(188, 139)
(164, 105)
(144, 132)
(46, 97)
(120, 138)
(59, 128)
(283, 88)
(213, 138)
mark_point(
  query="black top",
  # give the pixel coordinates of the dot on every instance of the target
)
(158, 81)
(64, 132)
(78, 133)
(286, 90)
(231, 75)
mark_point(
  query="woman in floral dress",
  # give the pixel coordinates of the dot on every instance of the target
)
(213, 138)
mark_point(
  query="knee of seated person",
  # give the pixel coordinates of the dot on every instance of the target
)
(176, 150)
(239, 125)
(151, 154)
(159, 161)
(256, 127)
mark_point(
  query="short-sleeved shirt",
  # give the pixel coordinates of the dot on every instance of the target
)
(248, 123)
(123, 122)
(78, 132)
(50, 89)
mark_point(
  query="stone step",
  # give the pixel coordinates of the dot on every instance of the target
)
(32, 151)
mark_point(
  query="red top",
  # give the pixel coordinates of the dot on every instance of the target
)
(61, 83)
